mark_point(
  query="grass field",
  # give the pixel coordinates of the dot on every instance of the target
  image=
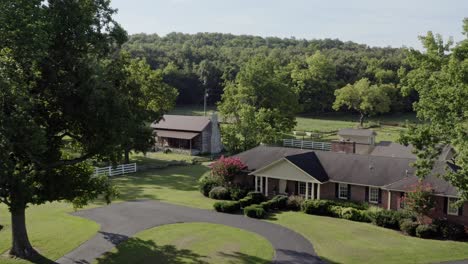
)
(200, 243)
(389, 130)
(344, 241)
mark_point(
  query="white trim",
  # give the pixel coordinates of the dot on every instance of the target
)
(307, 191)
(448, 207)
(266, 186)
(318, 192)
(434, 194)
(265, 167)
(369, 195)
(339, 191)
(315, 180)
(258, 172)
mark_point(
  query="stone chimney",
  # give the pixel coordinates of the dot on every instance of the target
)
(216, 145)
(343, 146)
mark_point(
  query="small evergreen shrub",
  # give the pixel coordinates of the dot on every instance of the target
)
(237, 193)
(227, 206)
(267, 206)
(295, 202)
(257, 197)
(426, 231)
(408, 226)
(1, 227)
(219, 193)
(255, 211)
(334, 210)
(317, 207)
(246, 201)
(449, 230)
(387, 218)
(280, 202)
(205, 185)
(354, 214)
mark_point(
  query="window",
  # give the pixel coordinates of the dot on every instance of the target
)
(302, 188)
(452, 207)
(343, 191)
(373, 195)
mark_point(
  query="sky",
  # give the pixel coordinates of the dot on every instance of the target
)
(382, 23)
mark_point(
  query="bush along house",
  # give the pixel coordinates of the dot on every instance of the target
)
(381, 177)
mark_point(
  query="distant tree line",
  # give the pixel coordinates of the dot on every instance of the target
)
(313, 69)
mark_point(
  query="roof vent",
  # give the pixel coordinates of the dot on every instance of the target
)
(406, 173)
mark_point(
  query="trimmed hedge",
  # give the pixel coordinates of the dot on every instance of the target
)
(227, 206)
(237, 193)
(317, 207)
(426, 231)
(354, 214)
(255, 211)
(267, 206)
(295, 203)
(449, 230)
(246, 201)
(257, 197)
(280, 202)
(387, 219)
(408, 226)
(219, 193)
(206, 184)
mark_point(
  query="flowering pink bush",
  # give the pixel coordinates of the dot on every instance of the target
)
(419, 200)
(224, 169)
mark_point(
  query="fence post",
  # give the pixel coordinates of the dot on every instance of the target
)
(110, 170)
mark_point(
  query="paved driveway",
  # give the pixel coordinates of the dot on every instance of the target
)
(122, 220)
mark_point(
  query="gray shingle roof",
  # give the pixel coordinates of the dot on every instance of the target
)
(348, 168)
(309, 163)
(392, 149)
(356, 132)
(181, 122)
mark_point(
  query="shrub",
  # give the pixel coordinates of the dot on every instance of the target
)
(219, 193)
(237, 193)
(246, 201)
(426, 231)
(355, 205)
(408, 226)
(335, 211)
(227, 206)
(317, 207)
(420, 200)
(1, 227)
(295, 202)
(280, 202)
(354, 214)
(257, 197)
(255, 211)
(268, 205)
(387, 218)
(206, 184)
(449, 230)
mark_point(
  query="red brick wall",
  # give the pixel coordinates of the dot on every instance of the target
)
(358, 193)
(343, 146)
(438, 212)
(327, 191)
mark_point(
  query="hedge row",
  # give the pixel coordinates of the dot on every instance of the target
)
(440, 228)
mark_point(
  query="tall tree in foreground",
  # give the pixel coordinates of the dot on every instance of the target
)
(258, 107)
(57, 84)
(440, 77)
(364, 98)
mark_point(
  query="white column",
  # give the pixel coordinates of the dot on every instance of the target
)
(261, 184)
(313, 191)
(389, 200)
(256, 183)
(266, 186)
(307, 191)
(318, 191)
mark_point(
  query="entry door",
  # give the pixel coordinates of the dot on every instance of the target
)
(282, 186)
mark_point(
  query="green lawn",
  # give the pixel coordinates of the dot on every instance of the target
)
(161, 158)
(344, 241)
(192, 243)
(53, 232)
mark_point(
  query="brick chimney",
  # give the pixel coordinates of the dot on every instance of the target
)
(343, 146)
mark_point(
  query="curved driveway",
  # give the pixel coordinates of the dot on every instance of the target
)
(122, 220)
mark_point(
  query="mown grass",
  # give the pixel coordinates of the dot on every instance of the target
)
(343, 241)
(201, 243)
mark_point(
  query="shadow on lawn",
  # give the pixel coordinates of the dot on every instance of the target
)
(146, 251)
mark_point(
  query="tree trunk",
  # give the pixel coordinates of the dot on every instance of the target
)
(127, 156)
(361, 120)
(21, 247)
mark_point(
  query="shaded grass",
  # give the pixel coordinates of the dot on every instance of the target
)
(192, 243)
(177, 185)
(52, 231)
(344, 241)
(160, 158)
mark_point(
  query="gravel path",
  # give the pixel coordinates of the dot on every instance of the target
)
(120, 221)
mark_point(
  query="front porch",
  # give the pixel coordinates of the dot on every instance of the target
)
(274, 186)
(178, 142)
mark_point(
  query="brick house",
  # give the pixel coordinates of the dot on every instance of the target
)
(188, 134)
(381, 177)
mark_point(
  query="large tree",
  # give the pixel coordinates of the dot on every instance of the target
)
(315, 80)
(440, 77)
(364, 98)
(258, 107)
(58, 86)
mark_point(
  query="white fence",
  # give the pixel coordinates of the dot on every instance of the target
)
(304, 144)
(114, 171)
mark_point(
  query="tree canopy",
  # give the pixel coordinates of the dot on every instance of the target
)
(440, 77)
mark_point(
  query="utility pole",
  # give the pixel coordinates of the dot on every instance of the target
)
(205, 95)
